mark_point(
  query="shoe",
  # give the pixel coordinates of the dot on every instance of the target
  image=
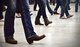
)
(10, 40)
(52, 13)
(62, 17)
(47, 22)
(39, 24)
(69, 16)
(56, 13)
(35, 38)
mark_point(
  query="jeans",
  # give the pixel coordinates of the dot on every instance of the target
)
(76, 5)
(57, 5)
(64, 8)
(10, 16)
(48, 6)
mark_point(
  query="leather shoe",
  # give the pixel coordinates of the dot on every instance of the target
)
(35, 38)
(39, 24)
(10, 40)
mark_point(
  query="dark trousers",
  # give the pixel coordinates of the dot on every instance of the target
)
(10, 16)
(35, 4)
(48, 6)
(42, 11)
(57, 5)
(76, 5)
(1, 9)
(64, 8)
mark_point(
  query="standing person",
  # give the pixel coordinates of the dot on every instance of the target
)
(76, 5)
(30, 35)
(64, 9)
(42, 12)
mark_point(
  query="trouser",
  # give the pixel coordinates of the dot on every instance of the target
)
(76, 5)
(10, 16)
(42, 11)
(57, 5)
(48, 6)
(64, 8)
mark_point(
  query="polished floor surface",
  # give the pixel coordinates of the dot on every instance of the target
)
(61, 33)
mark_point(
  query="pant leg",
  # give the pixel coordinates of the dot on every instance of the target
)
(35, 5)
(9, 18)
(42, 10)
(76, 5)
(26, 20)
(1, 7)
(48, 6)
(58, 4)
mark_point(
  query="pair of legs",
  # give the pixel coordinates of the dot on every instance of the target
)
(9, 31)
(76, 5)
(2, 8)
(41, 12)
(64, 9)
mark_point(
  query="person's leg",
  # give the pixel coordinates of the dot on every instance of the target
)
(1, 9)
(49, 9)
(35, 5)
(76, 5)
(9, 22)
(62, 9)
(57, 6)
(27, 24)
(42, 6)
(68, 4)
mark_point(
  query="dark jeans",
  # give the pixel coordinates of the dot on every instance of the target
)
(35, 4)
(10, 16)
(64, 8)
(76, 5)
(42, 11)
(57, 5)
(1, 9)
(48, 6)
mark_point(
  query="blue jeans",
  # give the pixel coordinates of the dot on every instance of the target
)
(10, 16)
(64, 8)
(48, 6)
(68, 4)
(57, 5)
(1, 9)
(76, 5)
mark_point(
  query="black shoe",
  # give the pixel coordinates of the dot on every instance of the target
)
(56, 13)
(10, 40)
(62, 17)
(52, 13)
(35, 38)
(47, 23)
(39, 24)
(69, 16)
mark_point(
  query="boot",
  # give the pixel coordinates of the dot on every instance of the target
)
(10, 40)
(35, 38)
(37, 22)
(47, 21)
